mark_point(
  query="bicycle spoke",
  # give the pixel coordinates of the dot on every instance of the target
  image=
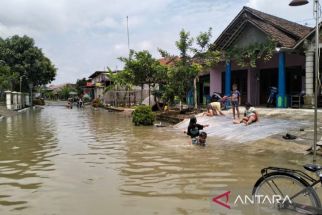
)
(294, 194)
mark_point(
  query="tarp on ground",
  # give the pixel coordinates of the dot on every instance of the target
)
(146, 101)
(223, 127)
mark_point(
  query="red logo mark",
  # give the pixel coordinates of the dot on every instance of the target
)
(224, 204)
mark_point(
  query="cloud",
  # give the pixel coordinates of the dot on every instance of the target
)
(81, 36)
(301, 14)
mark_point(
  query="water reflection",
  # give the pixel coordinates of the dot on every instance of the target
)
(27, 144)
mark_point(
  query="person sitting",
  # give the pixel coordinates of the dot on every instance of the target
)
(250, 115)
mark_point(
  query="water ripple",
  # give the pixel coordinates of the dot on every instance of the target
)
(89, 161)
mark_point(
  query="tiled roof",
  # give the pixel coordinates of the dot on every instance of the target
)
(286, 25)
(284, 32)
(96, 73)
(168, 61)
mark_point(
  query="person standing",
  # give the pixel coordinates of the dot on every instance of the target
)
(235, 100)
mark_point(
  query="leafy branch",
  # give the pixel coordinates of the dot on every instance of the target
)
(248, 56)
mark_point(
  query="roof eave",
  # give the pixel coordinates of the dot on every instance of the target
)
(304, 38)
(230, 24)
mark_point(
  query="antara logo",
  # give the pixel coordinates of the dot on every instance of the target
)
(249, 200)
(224, 204)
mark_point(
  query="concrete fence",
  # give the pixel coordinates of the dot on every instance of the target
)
(124, 98)
(16, 100)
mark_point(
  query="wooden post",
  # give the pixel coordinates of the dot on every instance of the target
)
(195, 93)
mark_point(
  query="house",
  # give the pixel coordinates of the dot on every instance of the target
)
(96, 88)
(99, 81)
(290, 69)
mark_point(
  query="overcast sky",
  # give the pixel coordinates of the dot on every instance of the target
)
(82, 36)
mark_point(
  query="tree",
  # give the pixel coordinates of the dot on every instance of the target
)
(248, 56)
(144, 69)
(7, 78)
(120, 79)
(80, 83)
(190, 63)
(64, 91)
(24, 58)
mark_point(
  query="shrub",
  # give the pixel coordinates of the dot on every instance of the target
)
(143, 115)
(97, 103)
(38, 101)
(86, 99)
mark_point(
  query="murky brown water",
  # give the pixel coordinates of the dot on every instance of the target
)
(59, 161)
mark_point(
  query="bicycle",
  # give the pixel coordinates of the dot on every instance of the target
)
(294, 184)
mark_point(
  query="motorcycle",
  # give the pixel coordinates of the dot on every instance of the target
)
(272, 96)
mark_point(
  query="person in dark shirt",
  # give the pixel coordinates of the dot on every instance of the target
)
(197, 137)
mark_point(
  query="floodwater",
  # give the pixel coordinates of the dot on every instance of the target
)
(75, 162)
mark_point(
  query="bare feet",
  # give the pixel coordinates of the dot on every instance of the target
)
(236, 121)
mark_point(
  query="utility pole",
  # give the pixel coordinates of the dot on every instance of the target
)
(316, 14)
(128, 34)
(317, 67)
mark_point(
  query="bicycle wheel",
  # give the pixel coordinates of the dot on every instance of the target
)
(303, 197)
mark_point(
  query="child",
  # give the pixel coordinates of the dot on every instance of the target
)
(202, 138)
(250, 115)
(235, 97)
(214, 109)
(197, 137)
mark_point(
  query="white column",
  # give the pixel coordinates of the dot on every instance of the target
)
(27, 99)
(19, 103)
(309, 66)
(15, 100)
(23, 104)
(309, 78)
(8, 100)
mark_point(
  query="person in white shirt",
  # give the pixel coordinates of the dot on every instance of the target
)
(250, 115)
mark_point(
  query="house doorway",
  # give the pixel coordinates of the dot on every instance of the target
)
(268, 78)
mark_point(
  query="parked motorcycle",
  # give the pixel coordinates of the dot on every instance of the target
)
(272, 96)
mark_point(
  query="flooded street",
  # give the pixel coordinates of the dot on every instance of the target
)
(59, 161)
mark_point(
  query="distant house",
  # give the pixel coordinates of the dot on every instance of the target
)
(55, 89)
(290, 69)
(96, 86)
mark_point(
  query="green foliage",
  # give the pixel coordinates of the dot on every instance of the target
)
(203, 54)
(248, 56)
(7, 78)
(141, 68)
(80, 83)
(64, 92)
(97, 103)
(180, 80)
(194, 58)
(24, 58)
(143, 115)
(49, 95)
(122, 78)
(38, 101)
(184, 45)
